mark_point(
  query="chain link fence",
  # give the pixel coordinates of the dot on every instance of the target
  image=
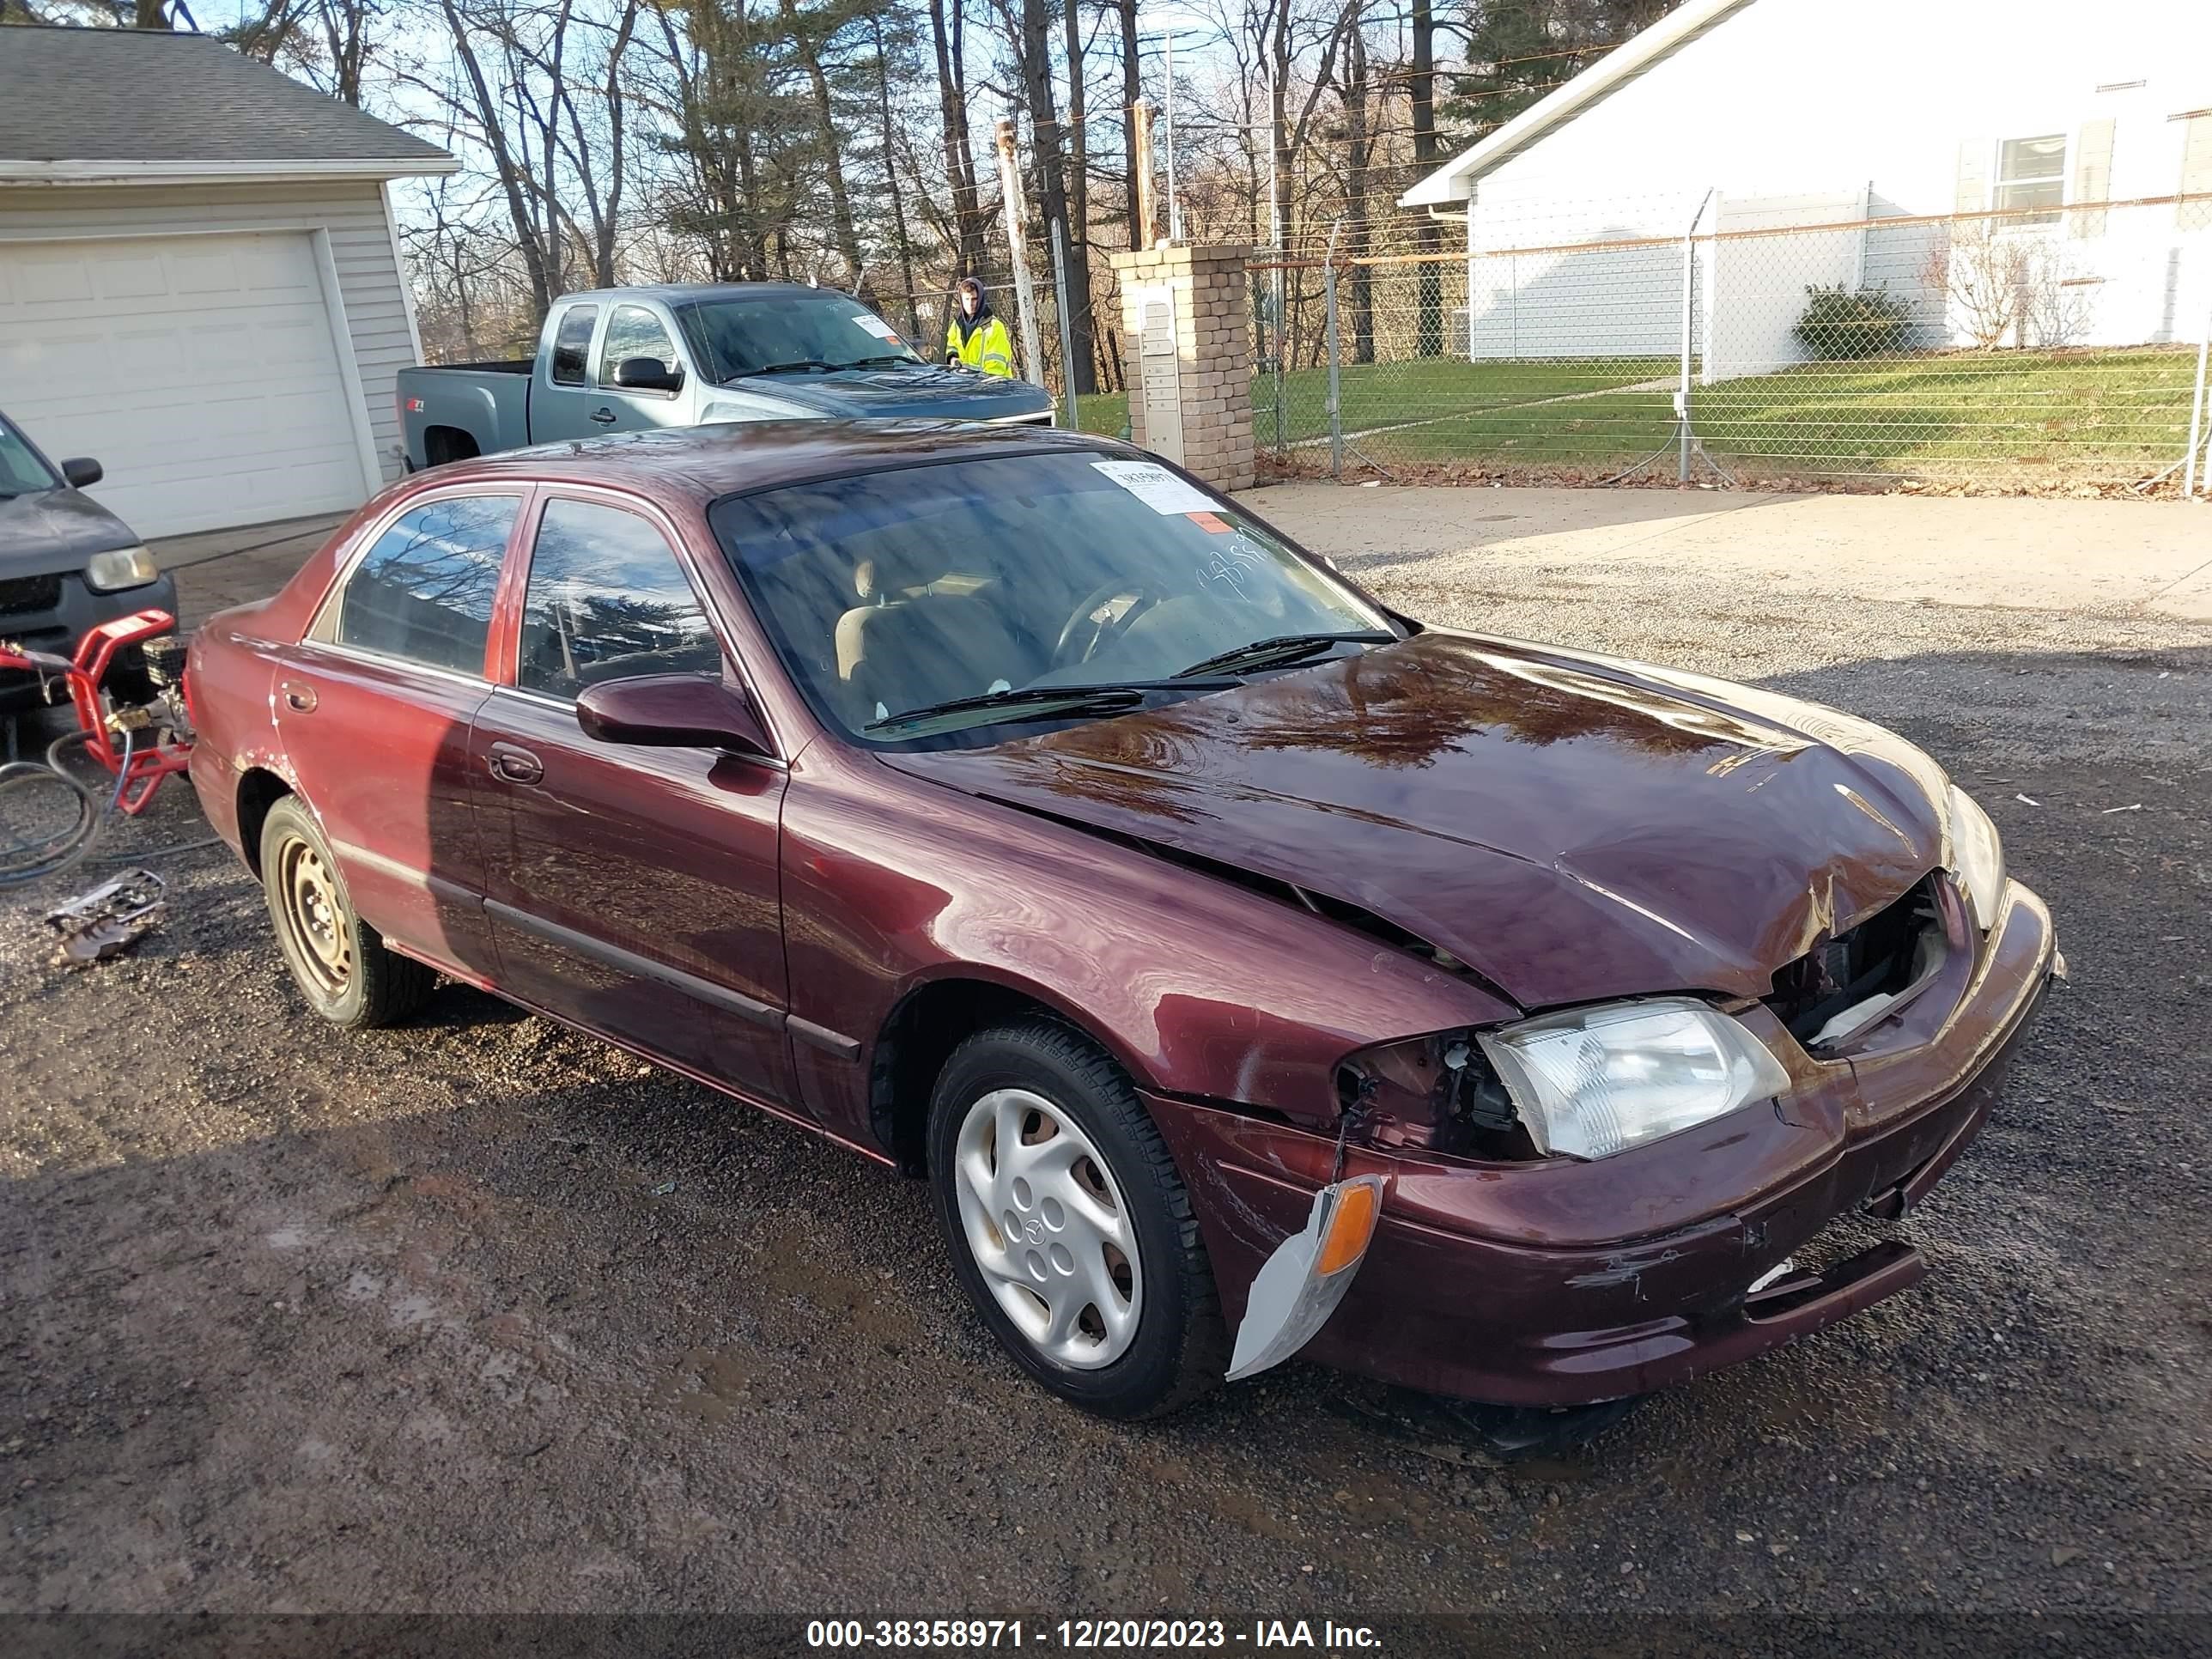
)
(1826, 338)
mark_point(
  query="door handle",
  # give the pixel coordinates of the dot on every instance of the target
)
(298, 695)
(604, 416)
(513, 765)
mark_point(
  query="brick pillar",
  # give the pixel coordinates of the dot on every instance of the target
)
(1193, 403)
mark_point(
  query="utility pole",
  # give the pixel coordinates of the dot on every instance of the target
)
(1148, 209)
(1175, 208)
(1010, 190)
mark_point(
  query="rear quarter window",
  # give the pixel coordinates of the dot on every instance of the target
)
(572, 344)
(423, 592)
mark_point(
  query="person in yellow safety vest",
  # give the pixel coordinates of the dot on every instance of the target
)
(976, 338)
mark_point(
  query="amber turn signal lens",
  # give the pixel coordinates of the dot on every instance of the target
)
(1349, 1231)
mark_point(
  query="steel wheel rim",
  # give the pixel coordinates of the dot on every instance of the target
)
(311, 912)
(1044, 1218)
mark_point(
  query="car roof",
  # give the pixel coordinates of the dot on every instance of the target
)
(702, 464)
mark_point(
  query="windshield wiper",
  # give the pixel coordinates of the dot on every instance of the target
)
(1281, 648)
(1049, 699)
(811, 363)
(888, 357)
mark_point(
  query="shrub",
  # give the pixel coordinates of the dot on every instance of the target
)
(1842, 322)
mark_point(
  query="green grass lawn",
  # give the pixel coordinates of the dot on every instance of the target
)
(1380, 394)
(2078, 414)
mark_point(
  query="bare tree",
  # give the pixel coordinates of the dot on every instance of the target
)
(959, 149)
(1998, 283)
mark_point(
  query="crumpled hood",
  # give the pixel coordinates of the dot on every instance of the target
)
(56, 530)
(1571, 826)
(931, 391)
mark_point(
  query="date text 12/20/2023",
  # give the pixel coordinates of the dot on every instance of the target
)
(1314, 1636)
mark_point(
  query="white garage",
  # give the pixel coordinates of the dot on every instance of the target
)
(220, 331)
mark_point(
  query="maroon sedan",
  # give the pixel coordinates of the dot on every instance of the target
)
(1249, 969)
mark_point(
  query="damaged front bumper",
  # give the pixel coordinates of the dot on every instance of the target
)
(1554, 1283)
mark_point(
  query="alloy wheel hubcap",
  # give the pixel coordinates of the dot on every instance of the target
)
(1045, 1221)
(311, 906)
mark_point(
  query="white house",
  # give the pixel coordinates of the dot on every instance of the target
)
(1810, 125)
(200, 282)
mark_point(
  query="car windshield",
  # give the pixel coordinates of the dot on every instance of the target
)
(21, 470)
(993, 582)
(806, 333)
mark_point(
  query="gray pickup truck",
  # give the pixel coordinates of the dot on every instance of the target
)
(624, 359)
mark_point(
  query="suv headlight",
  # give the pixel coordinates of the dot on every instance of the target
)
(1977, 857)
(1598, 1081)
(126, 566)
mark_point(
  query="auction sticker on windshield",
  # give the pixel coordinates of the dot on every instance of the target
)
(879, 327)
(1156, 487)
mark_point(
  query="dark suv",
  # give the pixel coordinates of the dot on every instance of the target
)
(66, 563)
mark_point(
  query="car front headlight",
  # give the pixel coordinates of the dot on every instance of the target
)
(1598, 1081)
(126, 566)
(1976, 856)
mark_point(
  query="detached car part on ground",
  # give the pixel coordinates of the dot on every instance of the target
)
(1234, 957)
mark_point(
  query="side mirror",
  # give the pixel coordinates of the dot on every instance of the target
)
(672, 711)
(647, 374)
(82, 472)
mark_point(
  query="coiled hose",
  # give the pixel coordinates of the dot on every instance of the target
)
(24, 861)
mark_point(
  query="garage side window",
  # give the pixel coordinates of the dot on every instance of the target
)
(572, 344)
(424, 593)
(607, 600)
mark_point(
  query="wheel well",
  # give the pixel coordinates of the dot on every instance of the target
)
(913, 1047)
(257, 791)
(442, 444)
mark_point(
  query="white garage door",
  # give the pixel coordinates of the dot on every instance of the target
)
(200, 371)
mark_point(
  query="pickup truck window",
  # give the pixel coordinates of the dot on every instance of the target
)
(423, 593)
(634, 331)
(780, 331)
(572, 345)
(607, 600)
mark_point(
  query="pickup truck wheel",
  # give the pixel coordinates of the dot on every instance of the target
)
(338, 961)
(1068, 1226)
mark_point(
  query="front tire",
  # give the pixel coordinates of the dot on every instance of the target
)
(338, 961)
(1068, 1226)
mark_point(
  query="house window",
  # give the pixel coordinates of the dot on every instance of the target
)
(2031, 181)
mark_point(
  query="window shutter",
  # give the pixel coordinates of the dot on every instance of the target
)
(2092, 177)
(2196, 176)
(1973, 195)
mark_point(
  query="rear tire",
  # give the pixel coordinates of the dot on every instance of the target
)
(338, 961)
(1068, 1226)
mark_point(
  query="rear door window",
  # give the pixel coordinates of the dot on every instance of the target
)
(423, 592)
(607, 600)
(572, 344)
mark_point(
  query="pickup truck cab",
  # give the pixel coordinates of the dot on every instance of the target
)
(626, 359)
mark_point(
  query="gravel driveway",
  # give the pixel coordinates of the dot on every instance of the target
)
(481, 1314)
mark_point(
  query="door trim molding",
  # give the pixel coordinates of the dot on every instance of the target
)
(750, 1009)
(822, 1037)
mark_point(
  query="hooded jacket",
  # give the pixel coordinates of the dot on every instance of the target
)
(981, 342)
